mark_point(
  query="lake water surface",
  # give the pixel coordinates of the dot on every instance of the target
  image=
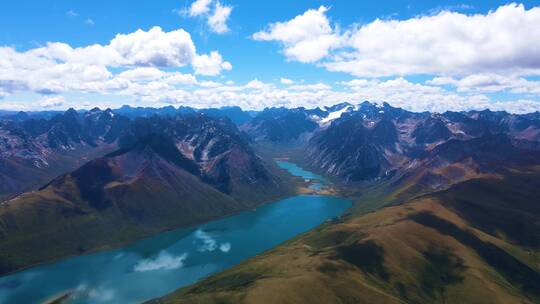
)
(160, 264)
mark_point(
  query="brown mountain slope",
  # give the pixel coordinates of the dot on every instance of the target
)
(456, 161)
(34, 151)
(467, 244)
(18, 175)
(135, 192)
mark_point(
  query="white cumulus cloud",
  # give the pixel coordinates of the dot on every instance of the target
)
(155, 48)
(199, 7)
(448, 43)
(255, 84)
(142, 73)
(310, 87)
(210, 65)
(305, 38)
(286, 81)
(490, 83)
(214, 12)
(217, 21)
(57, 67)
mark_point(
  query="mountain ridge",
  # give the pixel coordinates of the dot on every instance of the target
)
(146, 186)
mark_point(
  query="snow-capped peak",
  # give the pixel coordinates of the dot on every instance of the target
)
(335, 115)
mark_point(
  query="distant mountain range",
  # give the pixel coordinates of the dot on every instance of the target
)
(356, 143)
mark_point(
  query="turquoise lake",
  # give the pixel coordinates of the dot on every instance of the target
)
(155, 266)
(317, 181)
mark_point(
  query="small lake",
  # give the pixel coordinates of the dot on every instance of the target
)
(155, 266)
(316, 181)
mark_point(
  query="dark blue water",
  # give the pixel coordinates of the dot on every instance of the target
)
(158, 265)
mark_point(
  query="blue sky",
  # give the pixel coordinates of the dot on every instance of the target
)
(421, 55)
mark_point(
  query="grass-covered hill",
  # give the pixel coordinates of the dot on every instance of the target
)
(476, 242)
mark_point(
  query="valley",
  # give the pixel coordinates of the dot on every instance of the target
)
(159, 264)
(444, 205)
(461, 245)
(450, 218)
(269, 152)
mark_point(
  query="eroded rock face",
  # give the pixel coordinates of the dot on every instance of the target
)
(34, 150)
(47, 147)
(218, 151)
(375, 141)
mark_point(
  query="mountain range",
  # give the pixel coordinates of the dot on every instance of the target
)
(161, 173)
(445, 204)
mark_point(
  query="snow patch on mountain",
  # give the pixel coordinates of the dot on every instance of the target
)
(336, 114)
